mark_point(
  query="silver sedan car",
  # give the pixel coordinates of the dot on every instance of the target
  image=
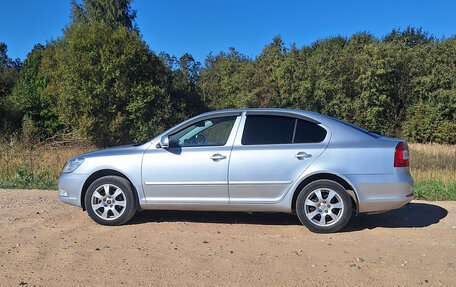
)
(254, 160)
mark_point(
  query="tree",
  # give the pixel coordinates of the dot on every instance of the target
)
(107, 84)
(115, 13)
(181, 78)
(410, 36)
(28, 97)
(401, 85)
(9, 73)
(102, 80)
(226, 80)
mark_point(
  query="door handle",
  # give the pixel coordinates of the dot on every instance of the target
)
(302, 155)
(217, 157)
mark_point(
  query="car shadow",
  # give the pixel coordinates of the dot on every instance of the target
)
(258, 218)
(413, 215)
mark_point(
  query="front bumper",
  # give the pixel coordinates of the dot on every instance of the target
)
(382, 192)
(70, 188)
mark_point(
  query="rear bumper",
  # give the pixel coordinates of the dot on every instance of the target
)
(70, 187)
(382, 192)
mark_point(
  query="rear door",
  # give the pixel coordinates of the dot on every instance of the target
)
(273, 151)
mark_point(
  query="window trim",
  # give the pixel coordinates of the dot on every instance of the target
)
(294, 131)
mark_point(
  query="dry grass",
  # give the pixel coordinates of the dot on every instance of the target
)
(44, 163)
(51, 161)
(433, 161)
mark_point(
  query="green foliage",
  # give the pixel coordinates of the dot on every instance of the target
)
(9, 73)
(225, 80)
(107, 84)
(410, 36)
(181, 76)
(28, 97)
(434, 121)
(24, 179)
(102, 80)
(435, 190)
(115, 13)
(401, 86)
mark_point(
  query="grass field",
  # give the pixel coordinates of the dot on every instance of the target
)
(39, 168)
(433, 167)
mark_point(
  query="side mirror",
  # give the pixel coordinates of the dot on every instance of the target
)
(164, 141)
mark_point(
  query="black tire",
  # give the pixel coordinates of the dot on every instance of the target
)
(339, 206)
(124, 204)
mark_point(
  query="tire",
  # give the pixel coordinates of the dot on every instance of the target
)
(318, 213)
(109, 200)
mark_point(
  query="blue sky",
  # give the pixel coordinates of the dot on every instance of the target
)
(201, 27)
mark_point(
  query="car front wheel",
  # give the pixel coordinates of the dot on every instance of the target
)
(110, 201)
(324, 206)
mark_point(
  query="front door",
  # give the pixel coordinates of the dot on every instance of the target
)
(194, 169)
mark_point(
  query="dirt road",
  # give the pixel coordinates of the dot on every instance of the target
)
(44, 242)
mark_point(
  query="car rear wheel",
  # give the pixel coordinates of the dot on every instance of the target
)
(324, 206)
(110, 201)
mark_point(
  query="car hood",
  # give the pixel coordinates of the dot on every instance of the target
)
(113, 151)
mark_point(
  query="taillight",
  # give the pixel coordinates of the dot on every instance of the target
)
(401, 155)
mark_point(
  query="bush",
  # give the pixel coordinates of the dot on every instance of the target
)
(24, 179)
(434, 120)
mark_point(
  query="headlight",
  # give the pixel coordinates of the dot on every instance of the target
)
(72, 165)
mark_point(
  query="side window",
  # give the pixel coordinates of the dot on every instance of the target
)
(307, 132)
(211, 132)
(266, 129)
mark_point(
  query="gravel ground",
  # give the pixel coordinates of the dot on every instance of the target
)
(44, 242)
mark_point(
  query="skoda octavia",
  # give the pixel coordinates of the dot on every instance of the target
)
(255, 160)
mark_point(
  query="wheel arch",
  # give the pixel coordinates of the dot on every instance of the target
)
(328, 176)
(105, 172)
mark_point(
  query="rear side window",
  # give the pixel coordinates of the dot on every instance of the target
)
(307, 132)
(266, 129)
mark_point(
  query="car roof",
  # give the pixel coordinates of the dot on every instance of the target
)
(312, 116)
(256, 109)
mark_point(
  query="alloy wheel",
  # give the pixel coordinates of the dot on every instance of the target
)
(108, 202)
(323, 207)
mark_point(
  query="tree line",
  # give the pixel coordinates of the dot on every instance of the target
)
(103, 81)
